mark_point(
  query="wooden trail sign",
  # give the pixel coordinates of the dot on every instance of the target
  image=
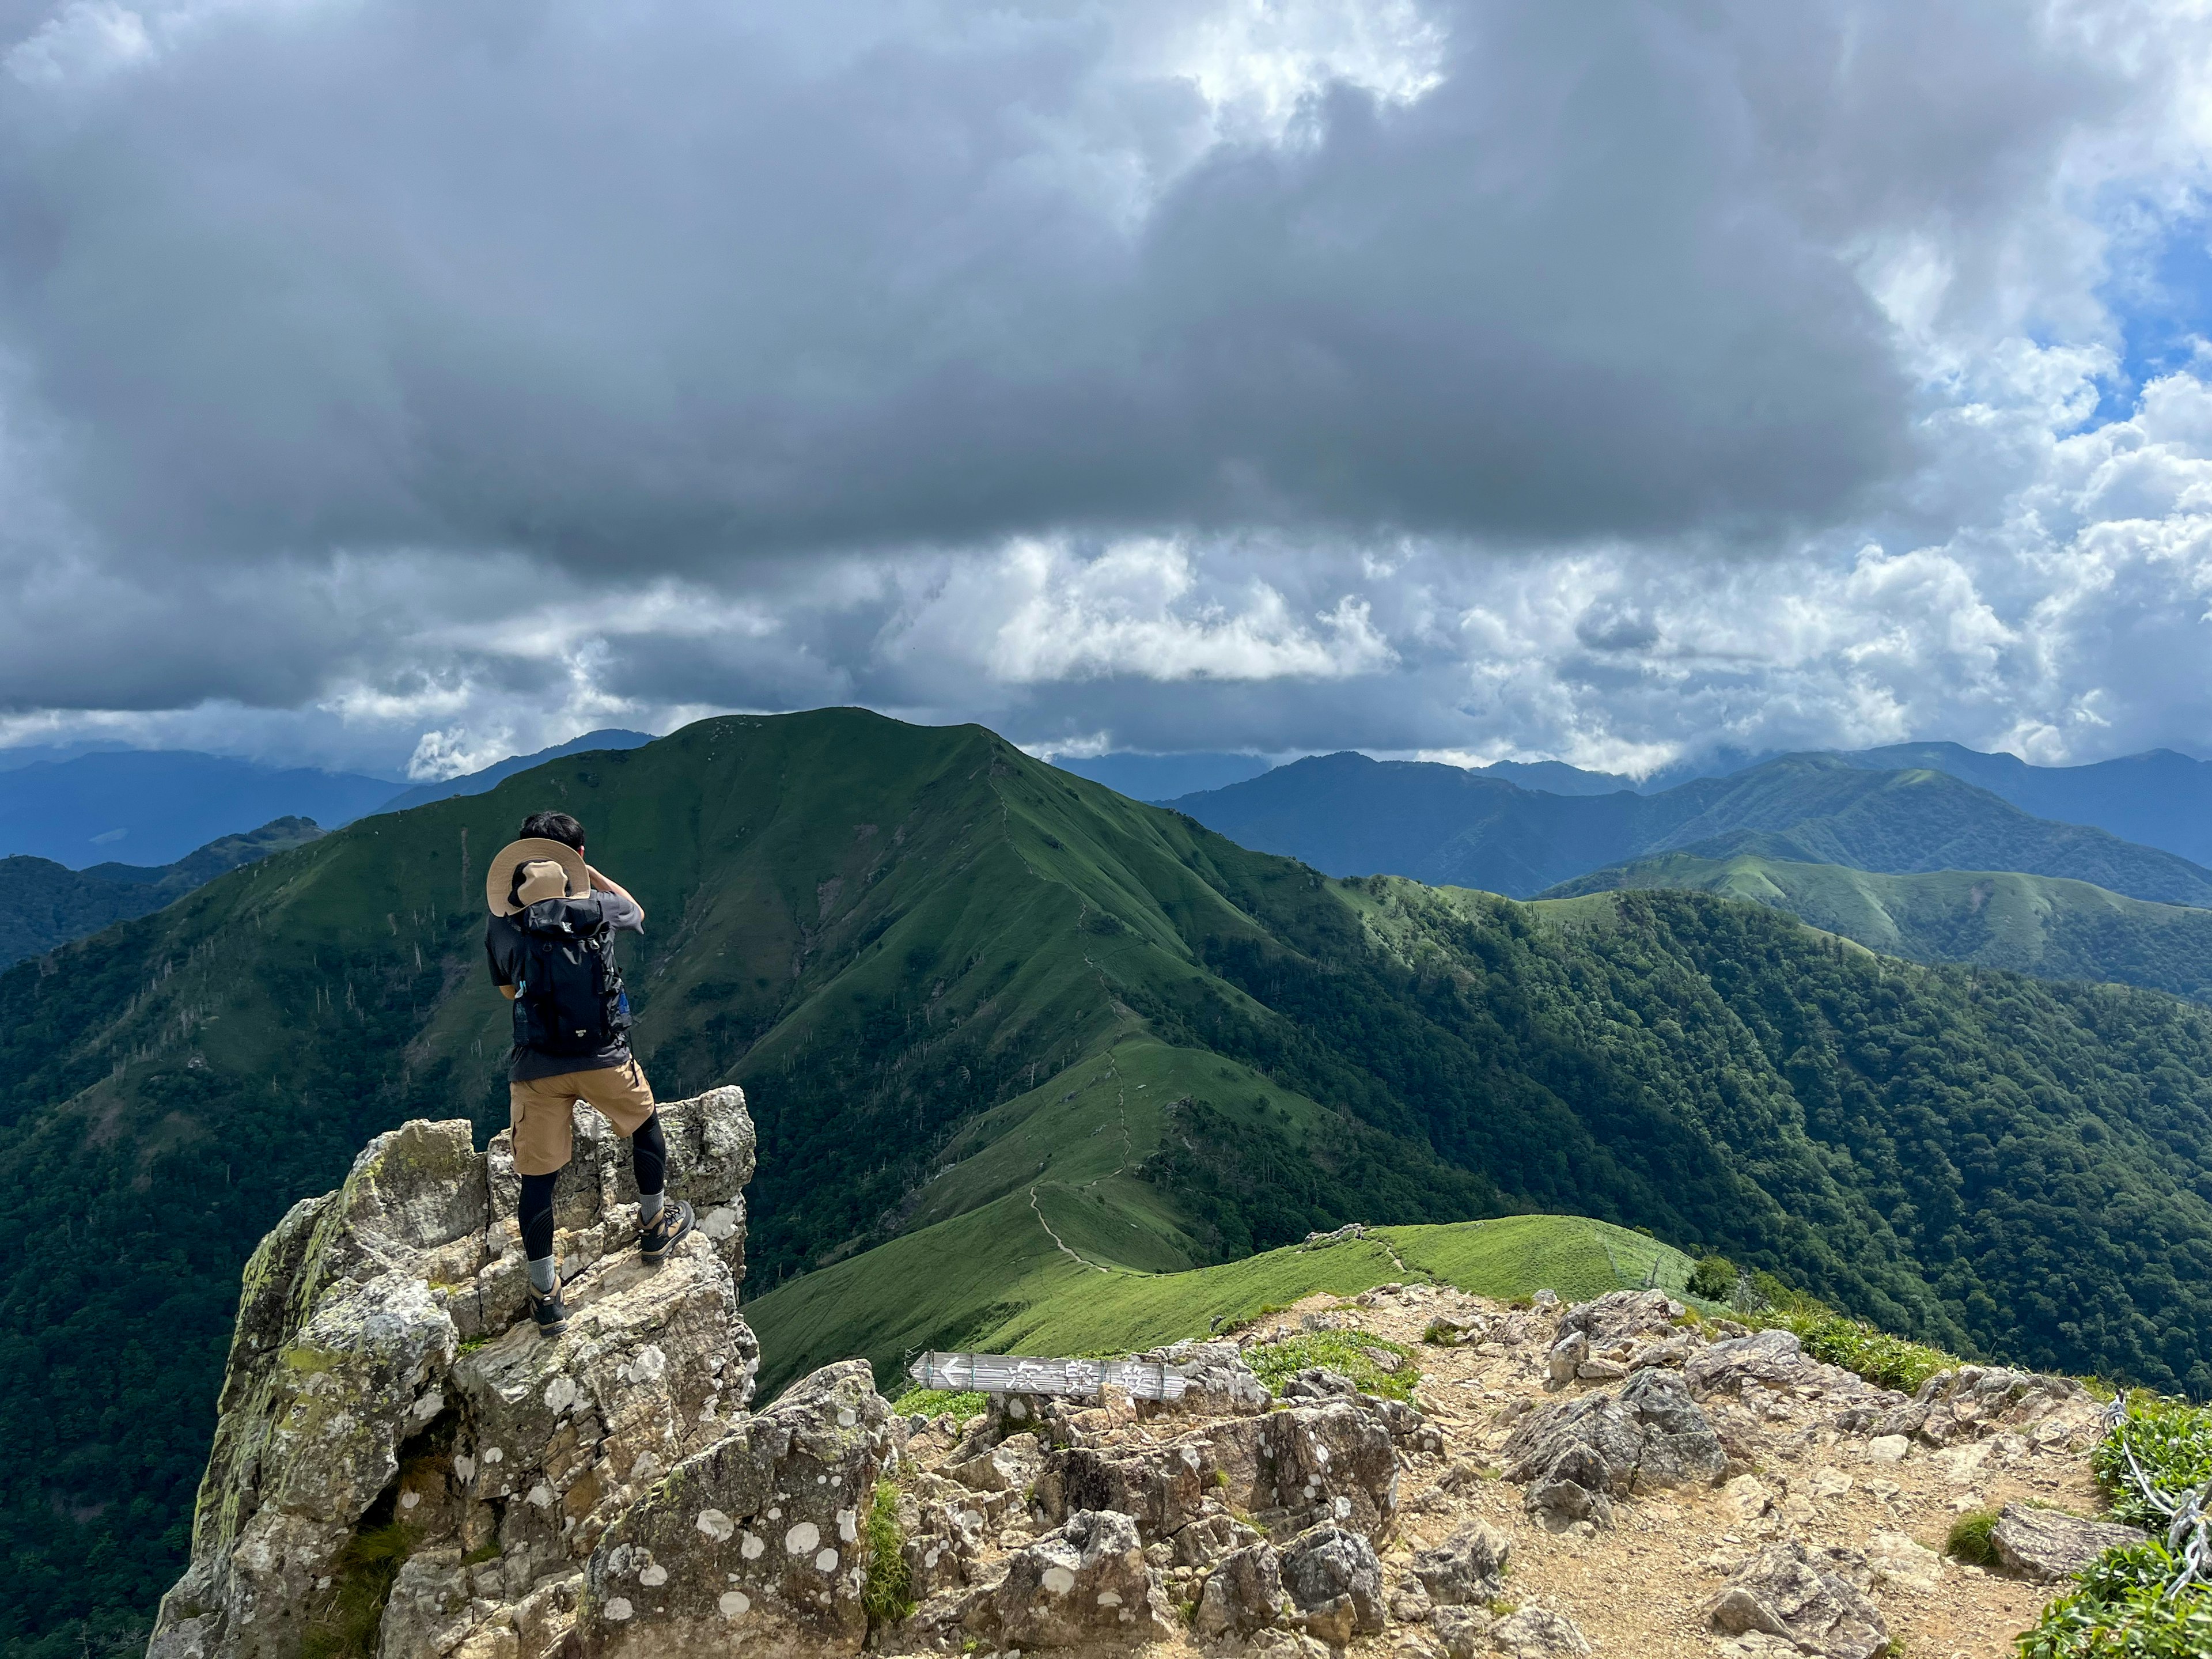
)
(1006, 1373)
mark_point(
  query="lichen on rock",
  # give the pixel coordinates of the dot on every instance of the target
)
(383, 1381)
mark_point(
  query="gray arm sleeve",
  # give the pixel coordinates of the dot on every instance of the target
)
(622, 915)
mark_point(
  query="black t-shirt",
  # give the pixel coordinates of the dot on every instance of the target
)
(503, 951)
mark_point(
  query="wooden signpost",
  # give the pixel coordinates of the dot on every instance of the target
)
(1003, 1373)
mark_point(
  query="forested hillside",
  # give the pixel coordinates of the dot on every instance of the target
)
(43, 904)
(985, 1010)
(2038, 925)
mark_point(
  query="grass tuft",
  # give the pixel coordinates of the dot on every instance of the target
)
(367, 1567)
(1970, 1539)
(941, 1402)
(887, 1592)
(1349, 1354)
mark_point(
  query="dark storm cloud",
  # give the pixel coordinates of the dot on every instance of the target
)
(658, 284)
(479, 365)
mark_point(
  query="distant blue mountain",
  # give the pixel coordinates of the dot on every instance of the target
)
(1163, 777)
(2158, 797)
(1348, 815)
(151, 806)
(475, 783)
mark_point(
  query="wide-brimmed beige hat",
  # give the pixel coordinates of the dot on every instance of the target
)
(561, 874)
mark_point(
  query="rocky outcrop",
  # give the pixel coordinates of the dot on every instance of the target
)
(2051, 1545)
(1790, 1592)
(1579, 1455)
(383, 1384)
(753, 1542)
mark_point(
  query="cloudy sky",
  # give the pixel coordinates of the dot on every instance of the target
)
(402, 383)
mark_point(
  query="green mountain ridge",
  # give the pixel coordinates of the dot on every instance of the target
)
(44, 904)
(1348, 815)
(997, 1022)
(2043, 926)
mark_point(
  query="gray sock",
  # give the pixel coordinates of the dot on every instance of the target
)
(649, 1206)
(542, 1276)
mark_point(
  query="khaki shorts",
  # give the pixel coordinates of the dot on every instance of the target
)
(545, 1133)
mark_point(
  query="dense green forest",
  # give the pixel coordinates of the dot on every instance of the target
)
(967, 993)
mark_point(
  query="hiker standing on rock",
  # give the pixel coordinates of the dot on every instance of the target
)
(551, 944)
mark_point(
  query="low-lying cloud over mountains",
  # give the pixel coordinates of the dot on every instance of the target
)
(395, 379)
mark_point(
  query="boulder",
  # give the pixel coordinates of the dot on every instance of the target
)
(1579, 1456)
(1335, 1582)
(2051, 1545)
(1534, 1633)
(1463, 1633)
(1787, 1591)
(1306, 1464)
(1620, 1315)
(1468, 1567)
(1242, 1593)
(1084, 1581)
(1897, 1562)
(1317, 1382)
(1011, 1466)
(1217, 1383)
(376, 1333)
(1773, 1359)
(754, 1541)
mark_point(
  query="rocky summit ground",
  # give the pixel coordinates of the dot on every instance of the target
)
(404, 1468)
(1604, 1478)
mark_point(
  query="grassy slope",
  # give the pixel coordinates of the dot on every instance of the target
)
(1047, 1303)
(2039, 925)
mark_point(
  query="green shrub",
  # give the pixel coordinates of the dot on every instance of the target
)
(367, 1567)
(1970, 1542)
(1713, 1279)
(1346, 1353)
(941, 1402)
(1443, 1333)
(887, 1592)
(2121, 1611)
(2173, 1444)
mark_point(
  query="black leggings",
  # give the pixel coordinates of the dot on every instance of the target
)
(649, 1153)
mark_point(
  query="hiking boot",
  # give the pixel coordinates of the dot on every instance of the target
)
(551, 1315)
(669, 1229)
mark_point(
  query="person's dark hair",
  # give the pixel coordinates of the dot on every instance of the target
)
(553, 826)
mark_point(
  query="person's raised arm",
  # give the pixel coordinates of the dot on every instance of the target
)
(608, 885)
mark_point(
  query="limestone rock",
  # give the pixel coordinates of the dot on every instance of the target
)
(1292, 1468)
(753, 1542)
(1086, 1580)
(1217, 1383)
(1534, 1632)
(1579, 1456)
(1900, 1563)
(1783, 1591)
(1468, 1566)
(1773, 1359)
(1621, 1314)
(1010, 1465)
(1317, 1382)
(1463, 1633)
(1335, 1582)
(1242, 1593)
(373, 1333)
(2050, 1544)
